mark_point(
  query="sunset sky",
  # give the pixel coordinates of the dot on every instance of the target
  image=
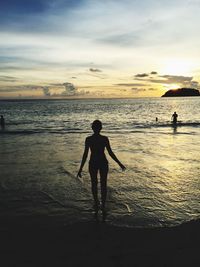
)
(98, 48)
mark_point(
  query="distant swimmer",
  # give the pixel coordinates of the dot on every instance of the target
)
(97, 143)
(156, 118)
(2, 122)
(174, 117)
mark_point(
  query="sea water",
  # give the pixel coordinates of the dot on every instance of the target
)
(42, 144)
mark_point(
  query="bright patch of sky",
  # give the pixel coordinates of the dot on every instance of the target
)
(90, 48)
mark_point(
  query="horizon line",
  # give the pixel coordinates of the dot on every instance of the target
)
(88, 98)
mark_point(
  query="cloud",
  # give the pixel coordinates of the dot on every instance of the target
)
(95, 70)
(152, 89)
(55, 84)
(176, 79)
(122, 39)
(52, 90)
(67, 89)
(70, 89)
(195, 84)
(153, 73)
(46, 91)
(19, 88)
(130, 84)
(138, 90)
(170, 79)
(180, 80)
(57, 38)
(141, 75)
(8, 78)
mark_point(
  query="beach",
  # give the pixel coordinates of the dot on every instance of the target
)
(42, 146)
(99, 133)
(45, 241)
(153, 209)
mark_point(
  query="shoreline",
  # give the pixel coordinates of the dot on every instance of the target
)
(28, 241)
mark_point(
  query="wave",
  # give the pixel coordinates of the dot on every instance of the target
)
(178, 124)
(129, 128)
(44, 131)
(8, 132)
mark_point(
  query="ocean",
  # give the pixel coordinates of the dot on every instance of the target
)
(42, 144)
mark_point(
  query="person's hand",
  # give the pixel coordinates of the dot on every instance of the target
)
(79, 175)
(122, 167)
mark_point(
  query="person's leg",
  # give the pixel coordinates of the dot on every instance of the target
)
(103, 179)
(94, 182)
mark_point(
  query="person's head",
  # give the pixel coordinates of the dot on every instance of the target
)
(96, 126)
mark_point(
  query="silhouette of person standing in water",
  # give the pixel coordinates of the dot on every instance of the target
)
(174, 117)
(98, 163)
(2, 122)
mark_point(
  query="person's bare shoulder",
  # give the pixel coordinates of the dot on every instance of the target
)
(88, 139)
(105, 138)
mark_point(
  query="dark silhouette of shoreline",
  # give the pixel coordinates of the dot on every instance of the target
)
(37, 241)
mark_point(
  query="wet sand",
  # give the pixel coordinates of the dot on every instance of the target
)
(48, 241)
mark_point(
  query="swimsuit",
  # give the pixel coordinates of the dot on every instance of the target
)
(100, 164)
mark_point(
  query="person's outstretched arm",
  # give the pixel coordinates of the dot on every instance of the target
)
(84, 157)
(111, 153)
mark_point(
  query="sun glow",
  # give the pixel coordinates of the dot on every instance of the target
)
(177, 67)
(172, 87)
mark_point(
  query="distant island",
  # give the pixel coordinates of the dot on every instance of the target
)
(182, 92)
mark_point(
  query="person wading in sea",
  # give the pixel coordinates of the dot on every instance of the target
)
(174, 117)
(2, 122)
(98, 163)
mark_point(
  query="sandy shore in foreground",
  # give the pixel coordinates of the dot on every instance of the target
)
(42, 242)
